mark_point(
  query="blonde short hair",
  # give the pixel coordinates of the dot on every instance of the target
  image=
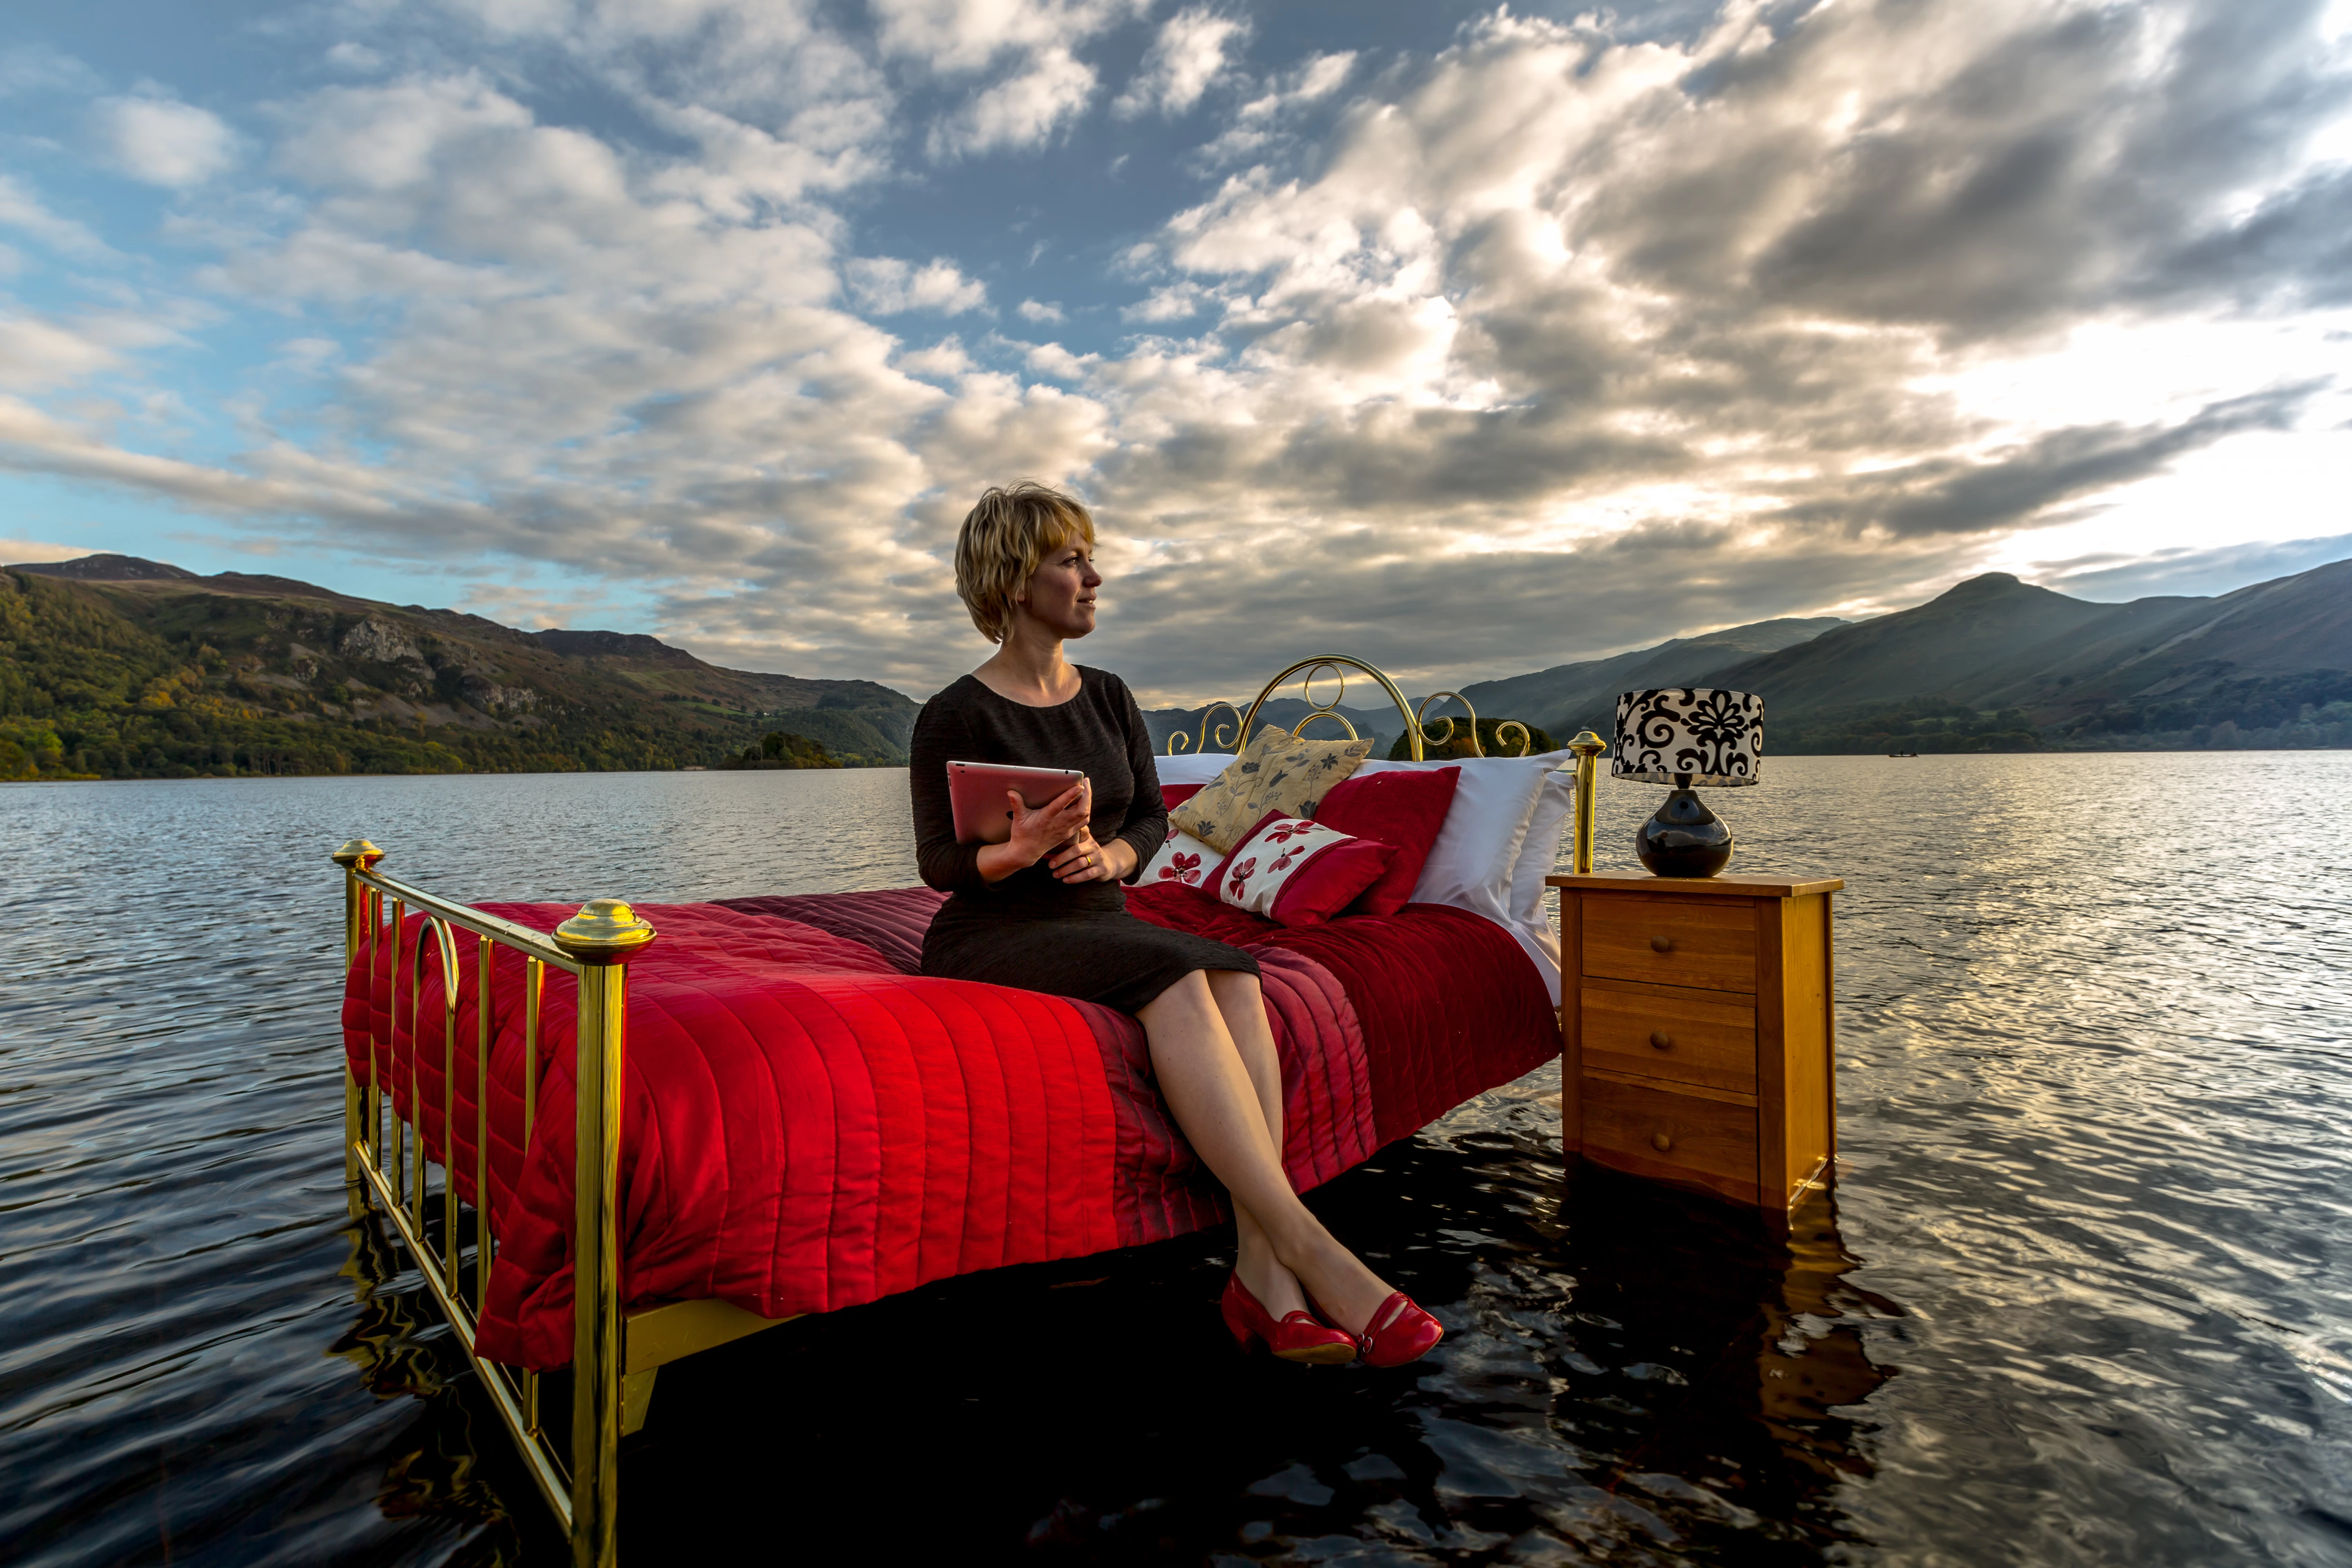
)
(1006, 537)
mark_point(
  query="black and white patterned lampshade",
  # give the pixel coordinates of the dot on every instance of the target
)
(1690, 735)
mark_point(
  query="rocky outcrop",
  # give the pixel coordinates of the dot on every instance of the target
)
(498, 700)
(373, 641)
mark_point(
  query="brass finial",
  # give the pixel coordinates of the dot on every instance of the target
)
(1588, 747)
(358, 852)
(605, 931)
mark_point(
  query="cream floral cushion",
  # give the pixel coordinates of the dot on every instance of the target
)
(1276, 771)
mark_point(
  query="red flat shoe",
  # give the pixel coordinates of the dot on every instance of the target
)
(1296, 1336)
(1399, 1331)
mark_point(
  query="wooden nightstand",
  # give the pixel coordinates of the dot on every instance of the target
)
(1697, 1039)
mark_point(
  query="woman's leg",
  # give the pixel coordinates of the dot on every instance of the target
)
(1215, 1100)
(1241, 1003)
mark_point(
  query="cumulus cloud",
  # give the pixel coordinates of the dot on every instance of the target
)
(1022, 111)
(1174, 302)
(1260, 121)
(1184, 59)
(781, 101)
(1039, 311)
(885, 286)
(960, 36)
(162, 141)
(1029, 46)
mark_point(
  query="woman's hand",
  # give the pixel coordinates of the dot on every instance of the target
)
(1084, 860)
(1039, 832)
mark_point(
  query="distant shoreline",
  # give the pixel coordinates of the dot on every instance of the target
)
(900, 767)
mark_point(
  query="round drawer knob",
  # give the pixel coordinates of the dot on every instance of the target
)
(1661, 1142)
(1663, 1042)
(1662, 944)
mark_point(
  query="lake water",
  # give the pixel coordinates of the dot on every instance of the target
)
(2082, 1293)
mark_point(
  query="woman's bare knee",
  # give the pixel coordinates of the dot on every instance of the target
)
(1231, 985)
(1242, 1002)
(1186, 1000)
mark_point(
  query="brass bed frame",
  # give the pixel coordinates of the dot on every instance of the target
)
(615, 1354)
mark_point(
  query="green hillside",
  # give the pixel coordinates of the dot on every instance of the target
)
(116, 667)
(1968, 629)
(1996, 665)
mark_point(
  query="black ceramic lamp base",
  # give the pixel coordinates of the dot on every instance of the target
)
(1684, 839)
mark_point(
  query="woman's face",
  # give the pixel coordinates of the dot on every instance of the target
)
(1060, 596)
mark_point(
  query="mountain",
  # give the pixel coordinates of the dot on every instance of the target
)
(1572, 696)
(2165, 648)
(1935, 646)
(1995, 664)
(113, 666)
(112, 569)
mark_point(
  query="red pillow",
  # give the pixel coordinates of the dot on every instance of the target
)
(1297, 872)
(1173, 796)
(1406, 810)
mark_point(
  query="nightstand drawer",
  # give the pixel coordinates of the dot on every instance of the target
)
(1670, 1137)
(1655, 1034)
(1676, 941)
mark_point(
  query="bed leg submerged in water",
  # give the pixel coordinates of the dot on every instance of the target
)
(614, 1356)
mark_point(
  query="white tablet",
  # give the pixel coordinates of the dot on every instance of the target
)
(976, 790)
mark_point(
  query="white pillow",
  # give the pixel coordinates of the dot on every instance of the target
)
(1192, 767)
(1486, 858)
(1539, 855)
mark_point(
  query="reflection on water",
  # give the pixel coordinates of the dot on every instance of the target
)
(2075, 1299)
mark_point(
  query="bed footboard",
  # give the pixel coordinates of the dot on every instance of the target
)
(614, 1356)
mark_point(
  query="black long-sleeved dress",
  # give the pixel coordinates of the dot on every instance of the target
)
(1029, 930)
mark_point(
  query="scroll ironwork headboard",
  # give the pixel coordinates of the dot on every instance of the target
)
(1337, 665)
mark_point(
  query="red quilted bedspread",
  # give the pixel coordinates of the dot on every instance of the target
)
(808, 1124)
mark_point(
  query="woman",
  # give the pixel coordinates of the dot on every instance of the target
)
(1044, 911)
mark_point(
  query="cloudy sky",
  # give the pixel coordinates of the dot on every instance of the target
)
(1469, 340)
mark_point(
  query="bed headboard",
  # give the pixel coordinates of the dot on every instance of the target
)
(1337, 665)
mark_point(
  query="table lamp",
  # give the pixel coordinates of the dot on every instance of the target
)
(1684, 736)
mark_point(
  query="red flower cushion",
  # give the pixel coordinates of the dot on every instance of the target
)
(1182, 857)
(1404, 810)
(1297, 872)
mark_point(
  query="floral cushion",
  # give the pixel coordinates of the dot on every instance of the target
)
(1277, 772)
(1183, 859)
(1299, 873)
